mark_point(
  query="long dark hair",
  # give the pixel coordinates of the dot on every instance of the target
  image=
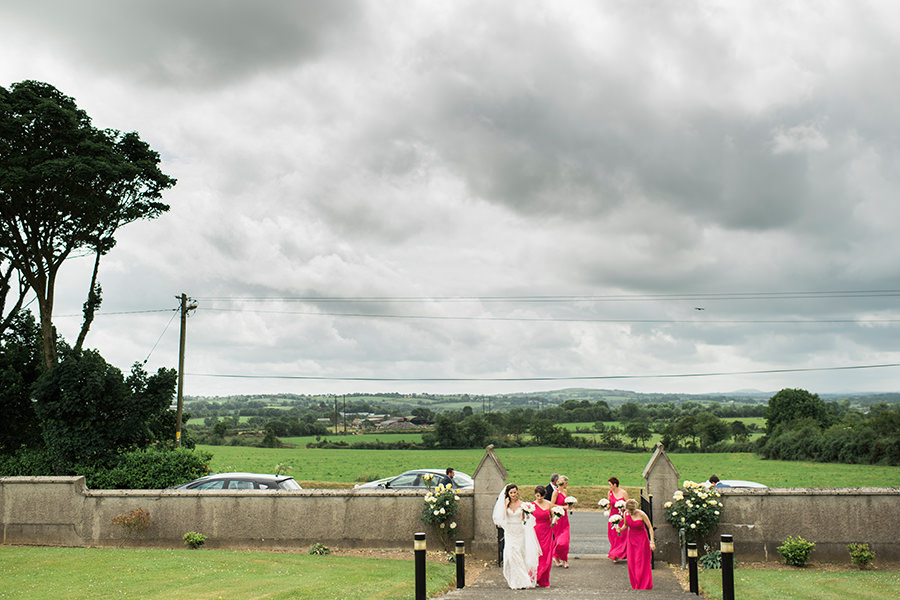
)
(506, 491)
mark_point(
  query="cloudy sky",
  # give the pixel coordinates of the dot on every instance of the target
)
(491, 197)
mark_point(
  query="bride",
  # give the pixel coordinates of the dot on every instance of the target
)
(520, 549)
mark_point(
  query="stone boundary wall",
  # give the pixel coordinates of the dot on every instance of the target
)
(762, 519)
(61, 511)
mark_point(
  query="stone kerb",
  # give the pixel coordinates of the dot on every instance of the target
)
(490, 477)
(661, 478)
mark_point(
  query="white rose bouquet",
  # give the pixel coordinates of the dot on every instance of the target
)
(556, 513)
(527, 510)
(615, 521)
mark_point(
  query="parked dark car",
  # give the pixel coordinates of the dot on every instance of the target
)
(241, 481)
(415, 480)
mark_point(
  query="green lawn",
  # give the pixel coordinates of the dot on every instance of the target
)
(533, 465)
(77, 573)
(777, 584)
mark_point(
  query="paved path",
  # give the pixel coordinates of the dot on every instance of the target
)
(590, 574)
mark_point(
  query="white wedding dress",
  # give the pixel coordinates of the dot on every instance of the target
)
(521, 550)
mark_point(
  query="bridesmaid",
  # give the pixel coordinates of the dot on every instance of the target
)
(617, 547)
(639, 547)
(544, 535)
(561, 529)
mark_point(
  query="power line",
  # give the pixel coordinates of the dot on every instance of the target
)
(557, 319)
(527, 379)
(571, 298)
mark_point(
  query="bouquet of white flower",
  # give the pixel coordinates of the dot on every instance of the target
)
(615, 521)
(556, 513)
(527, 510)
(604, 504)
(620, 504)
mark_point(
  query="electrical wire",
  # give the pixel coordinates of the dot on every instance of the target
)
(526, 379)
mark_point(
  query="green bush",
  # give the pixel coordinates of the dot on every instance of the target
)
(860, 555)
(194, 540)
(319, 549)
(712, 559)
(796, 551)
(150, 469)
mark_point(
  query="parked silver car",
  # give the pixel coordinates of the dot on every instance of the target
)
(241, 481)
(414, 480)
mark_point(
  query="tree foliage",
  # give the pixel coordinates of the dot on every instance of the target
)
(90, 412)
(66, 187)
(791, 405)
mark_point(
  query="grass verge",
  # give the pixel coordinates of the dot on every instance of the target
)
(766, 584)
(89, 573)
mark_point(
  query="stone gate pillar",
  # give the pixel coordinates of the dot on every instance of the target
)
(661, 479)
(490, 477)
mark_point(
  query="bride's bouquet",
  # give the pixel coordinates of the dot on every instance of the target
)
(527, 510)
(556, 513)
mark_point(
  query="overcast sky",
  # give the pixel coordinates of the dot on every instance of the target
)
(551, 189)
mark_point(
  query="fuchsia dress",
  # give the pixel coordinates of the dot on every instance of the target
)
(617, 548)
(561, 531)
(545, 540)
(638, 554)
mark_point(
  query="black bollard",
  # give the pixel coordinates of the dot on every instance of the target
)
(420, 565)
(692, 567)
(460, 564)
(727, 550)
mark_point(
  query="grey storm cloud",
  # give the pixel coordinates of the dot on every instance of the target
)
(646, 154)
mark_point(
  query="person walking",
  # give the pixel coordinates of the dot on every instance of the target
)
(640, 544)
(521, 551)
(617, 498)
(561, 531)
(544, 535)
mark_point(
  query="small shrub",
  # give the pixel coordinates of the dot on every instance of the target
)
(319, 549)
(712, 559)
(194, 540)
(796, 551)
(136, 521)
(860, 555)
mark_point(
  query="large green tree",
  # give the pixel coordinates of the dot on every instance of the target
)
(65, 188)
(791, 405)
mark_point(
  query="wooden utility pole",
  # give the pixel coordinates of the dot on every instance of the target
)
(185, 308)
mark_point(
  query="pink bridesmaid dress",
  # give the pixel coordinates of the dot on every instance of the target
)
(638, 554)
(617, 548)
(561, 531)
(545, 540)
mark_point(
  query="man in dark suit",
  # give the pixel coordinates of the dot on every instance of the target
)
(447, 479)
(548, 491)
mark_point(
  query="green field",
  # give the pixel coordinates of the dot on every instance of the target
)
(533, 465)
(29, 573)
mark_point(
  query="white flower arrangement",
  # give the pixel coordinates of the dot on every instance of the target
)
(620, 504)
(616, 522)
(604, 503)
(556, 513)
(527, 510)
(571, 500)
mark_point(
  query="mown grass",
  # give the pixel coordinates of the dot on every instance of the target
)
(77, 573)
(776, 584)
(533, 466)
